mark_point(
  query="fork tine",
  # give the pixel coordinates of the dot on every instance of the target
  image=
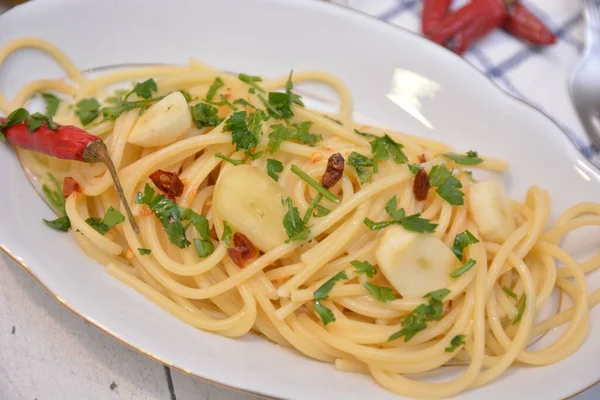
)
(592, 9)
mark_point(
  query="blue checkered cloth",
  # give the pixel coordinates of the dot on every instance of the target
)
(538, 76)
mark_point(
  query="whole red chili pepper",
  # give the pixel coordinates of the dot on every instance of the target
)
(434, 12)
(470, 23)
(523, 24)
(67, 143)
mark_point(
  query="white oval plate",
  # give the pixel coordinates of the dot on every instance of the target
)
(384, 67)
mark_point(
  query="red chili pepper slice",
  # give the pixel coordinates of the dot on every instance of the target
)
(523, 24)
(434, 12)
(469, 24)
(67, 143)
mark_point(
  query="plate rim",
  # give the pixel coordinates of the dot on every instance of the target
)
(323, 3)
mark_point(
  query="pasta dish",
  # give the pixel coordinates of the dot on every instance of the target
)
(231, 205)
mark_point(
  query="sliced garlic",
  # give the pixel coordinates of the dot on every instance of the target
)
(491, 209)
(163, 123)
(250, 201)
(414, 263)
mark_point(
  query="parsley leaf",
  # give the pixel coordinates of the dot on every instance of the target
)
(229, 160)
(57, 202)
(461, 241)
(414, 168)
(299, 132)
(204, 248)
(214, 87)
(510, 293)
(244, 103)
(111, 218)
(227, 234)
(87, 110)
(520, 309)
(293, 224)
(471, 158)
(52, 103)
(245, 133)
(143, 89)
(274, 167)
(144, 252)
(60, 224)
(447, 185)
(412, 223)
(381, 293)
(322, 293)
(186, 95)
(205, 115)
(251, 80)
(384, 148)
(463, 268)
(364, 267)
(456, 342)
(324, 313)
(416, 321)
(337, 121)
(363, 166)
(167, 212)
(321, 211)
(279, 104)
(35, 121)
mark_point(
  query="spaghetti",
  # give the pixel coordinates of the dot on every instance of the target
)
(395, 262)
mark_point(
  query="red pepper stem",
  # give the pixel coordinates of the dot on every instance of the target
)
(96, 151)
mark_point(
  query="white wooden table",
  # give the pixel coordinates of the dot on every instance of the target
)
(48, 353)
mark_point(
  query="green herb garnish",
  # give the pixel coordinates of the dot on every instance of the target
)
(205, 115)
(229, 160)
(293, 224)
(274, 167)
(463, 268)
(381, 293)
(364, 267)
(470, 158)
(87, 110)
(297, 132)
(315, 185)
(52, 103)
(214, 87)
(447, 185)
(412, 223)
(144, 252)
(510, 293)
(461, 241)
(455, 343)
(112, 218)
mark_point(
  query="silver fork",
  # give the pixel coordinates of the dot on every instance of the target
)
(585, 82)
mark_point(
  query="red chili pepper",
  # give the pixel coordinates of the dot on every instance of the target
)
(469, 24)
(434, 12)
(67, 143)
(523, 24)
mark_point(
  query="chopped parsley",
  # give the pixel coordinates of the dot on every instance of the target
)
(229, 160)
(381, 293)
(414, 168)
(298, 132)
(470, 158)
(143, 89)
(416, 321)
(455, 343)
(112, 218)
(87, 110)
(111, 113)
(412, 223)
(227, 234)
(313, 204)
(144, 252)
(337, 121)
(35, 121)
(315, 185)
(244, 103)
(447, 185)
(520, 309)
(171, 216)
(52, 103)
(294, 225)
(186, 95)
(205, 115)
(364, 267)
(461, 241)
(510, 293)
(274, 167)
(470, 263)
(363, 165)
(321, 211)
(214, 87)
(204, 248)
(279, 104)
(57, 202)
(251, 81)
(245, 132)
(322, 293)
(384, 148)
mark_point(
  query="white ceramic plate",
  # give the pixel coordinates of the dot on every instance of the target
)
(384, 66)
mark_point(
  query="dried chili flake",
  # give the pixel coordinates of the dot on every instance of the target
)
(242, 250)
(422, 158)
(70, 185)
(168, 182)
(334, 171)
(421, 185)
